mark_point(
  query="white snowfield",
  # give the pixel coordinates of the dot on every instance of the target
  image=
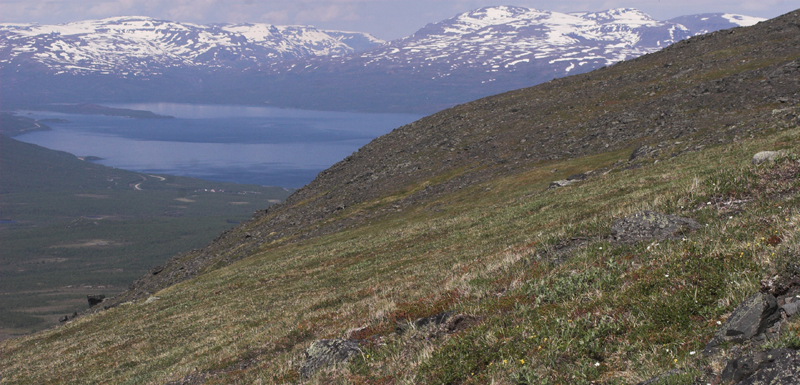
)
(488, 40)
(502, 38)
(141, 45)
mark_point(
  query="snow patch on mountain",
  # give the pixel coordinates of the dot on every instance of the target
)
(742, 20)
(146, 46)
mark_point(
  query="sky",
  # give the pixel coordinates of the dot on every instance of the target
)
(385, 19)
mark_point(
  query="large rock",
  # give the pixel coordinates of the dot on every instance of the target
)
(751, 318)
(783, 369)
(764, 156)
(743, 367)
(647, 225)
(95, 299)
(323, 353)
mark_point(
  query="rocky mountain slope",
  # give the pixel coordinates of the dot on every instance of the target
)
(474, 54)
(683, 98)
(438, 254)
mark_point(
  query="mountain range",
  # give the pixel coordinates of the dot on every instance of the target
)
(529, 237)
(474, 54)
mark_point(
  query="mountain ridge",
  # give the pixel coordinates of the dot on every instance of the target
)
(471, 55)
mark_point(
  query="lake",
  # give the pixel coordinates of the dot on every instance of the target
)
(258, 145)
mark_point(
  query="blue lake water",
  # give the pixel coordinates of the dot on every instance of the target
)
(258, 145)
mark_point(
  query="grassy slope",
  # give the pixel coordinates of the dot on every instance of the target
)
(82, 228)
(630, 308)
(700, 92)
(602, 312)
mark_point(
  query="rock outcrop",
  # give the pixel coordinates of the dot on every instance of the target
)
(647, 225)
(324, 353)
(750, 319)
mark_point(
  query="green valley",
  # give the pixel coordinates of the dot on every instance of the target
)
(72, 228)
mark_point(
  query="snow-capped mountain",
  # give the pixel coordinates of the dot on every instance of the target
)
(146, 46)
(508, 39)
(474, 54)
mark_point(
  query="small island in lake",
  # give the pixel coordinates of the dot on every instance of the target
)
(96, 109)
(13, 125)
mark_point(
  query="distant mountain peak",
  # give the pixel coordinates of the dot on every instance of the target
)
(143, 46)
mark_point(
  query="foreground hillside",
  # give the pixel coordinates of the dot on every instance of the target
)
(452, 217)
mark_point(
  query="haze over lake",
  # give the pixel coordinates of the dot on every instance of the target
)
(258, 145)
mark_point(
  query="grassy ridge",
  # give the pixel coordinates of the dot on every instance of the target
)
(612, 313)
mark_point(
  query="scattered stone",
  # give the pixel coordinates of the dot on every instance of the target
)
(791, 308)
(765, 156)
(580, 176)
(68, 317)
(436, 319)
(642, 151)
(753, 316)
(95, 299)
(561, 183)
(647, 225)
(152, 299)
(783, 369)
(156, 270)
(326, 353)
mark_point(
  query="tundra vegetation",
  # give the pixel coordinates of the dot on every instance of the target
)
(454, 214)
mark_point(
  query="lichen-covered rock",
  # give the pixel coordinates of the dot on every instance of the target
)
(752, 317)
(782, 370)
(764, 156)
(743, 367)
(323, 353)
(647, 225)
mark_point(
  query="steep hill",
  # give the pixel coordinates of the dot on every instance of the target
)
(438, 254)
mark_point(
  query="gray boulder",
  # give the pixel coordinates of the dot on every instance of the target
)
(751, 318)
(743, 367)
(791, 308)
(783, 369)
(765, 156)
(647, 225)
(324, 353)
